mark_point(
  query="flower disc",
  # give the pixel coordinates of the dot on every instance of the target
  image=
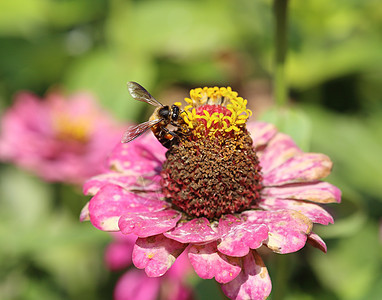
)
(214, 169)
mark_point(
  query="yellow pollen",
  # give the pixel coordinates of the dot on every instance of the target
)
(217, 121)
(71, 129)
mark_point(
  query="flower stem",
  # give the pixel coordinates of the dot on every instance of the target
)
(281, 279)
(279, 83)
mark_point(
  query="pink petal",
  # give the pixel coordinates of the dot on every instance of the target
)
(141, 156)
(135, 285)
(316, 241)
(320, 192)
(156, 254)
(261, 132)
(180, 268)
(174, 282)
(209, 263)
(288, 229)
(84, 216)
(279, 150)
(300, 168)
(144, 224)
(237, 237)
(313, 211)
(194, 231)
(252, 283)
(92, 186)
(112, 201)
(118, 253)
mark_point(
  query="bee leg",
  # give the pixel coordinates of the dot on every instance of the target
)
(180, 129)
(172, 133)
(182, 132)
(170, 138)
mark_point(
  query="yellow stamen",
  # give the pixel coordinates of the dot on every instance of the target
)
(217, 122)
(72, 129)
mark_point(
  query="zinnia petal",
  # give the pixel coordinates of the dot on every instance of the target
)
(209, 263)
(118, 253)
(316, 241)
(134, 285)
(320, 192)
(313, 211)
(92, 186)
(237, 237)
(138, 157)
(252, 283)
(194, 231)
(261, 132)
(288, 229)
(300, 168)
(112, 201)
(145, 224)
(85, 216)
(156, 254)
(279, 150)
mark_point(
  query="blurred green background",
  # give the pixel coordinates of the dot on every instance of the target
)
(334, 72)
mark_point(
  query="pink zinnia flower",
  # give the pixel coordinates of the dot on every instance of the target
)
(135, 285)
(58, 139)
(227, 188)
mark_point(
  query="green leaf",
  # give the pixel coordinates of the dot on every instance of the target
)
(352, 265)
(354, 144)
(25, 198)
(180, 28)
(21, 17)
(106, 75)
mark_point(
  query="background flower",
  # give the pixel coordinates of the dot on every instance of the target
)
(59, 139)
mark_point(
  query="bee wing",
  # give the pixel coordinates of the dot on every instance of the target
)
(135, 131)
(139, 93)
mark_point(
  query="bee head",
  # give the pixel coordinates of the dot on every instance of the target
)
(175, 112)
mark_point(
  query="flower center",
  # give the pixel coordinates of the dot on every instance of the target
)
(71, 129)
(214, 169)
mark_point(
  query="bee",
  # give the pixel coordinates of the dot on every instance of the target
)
(159, 120)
